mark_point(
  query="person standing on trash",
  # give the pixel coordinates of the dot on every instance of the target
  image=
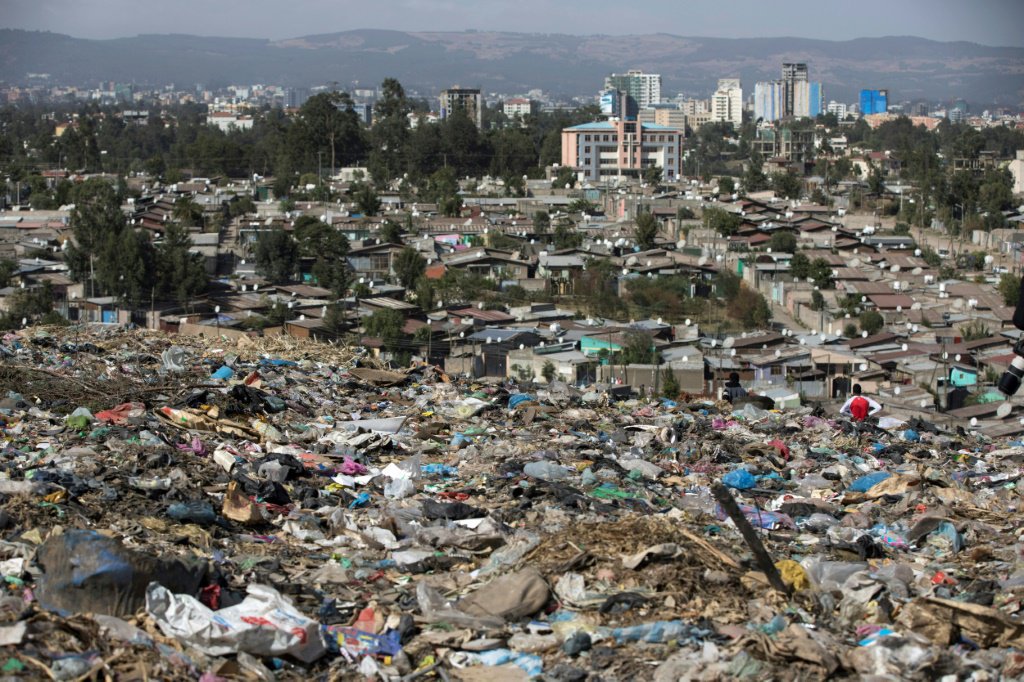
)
(859, 407)
(732, 389)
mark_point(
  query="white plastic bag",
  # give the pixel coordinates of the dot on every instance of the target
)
(264, 624)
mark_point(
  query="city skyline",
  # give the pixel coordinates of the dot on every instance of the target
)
(990, 22)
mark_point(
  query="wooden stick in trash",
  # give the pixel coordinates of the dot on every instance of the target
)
(764, 560)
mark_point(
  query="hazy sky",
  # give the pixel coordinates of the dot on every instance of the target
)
(990, 22)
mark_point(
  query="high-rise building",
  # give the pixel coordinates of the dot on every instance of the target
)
(466, 99)
(874, 102)
(611, 149)
(768, 101)
(295, 97)
(808, 99)
(727, 102)
(643, 88)
(792, 75)
(837, 108)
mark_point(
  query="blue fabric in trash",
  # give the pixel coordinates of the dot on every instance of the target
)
(865, 483)
(740, 479)
(517, 399)
(911, 435)
(224, 372)
(278, 363)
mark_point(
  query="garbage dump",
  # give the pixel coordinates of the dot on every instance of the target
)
(177, 508)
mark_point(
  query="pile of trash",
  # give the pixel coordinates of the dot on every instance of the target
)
(210, 509)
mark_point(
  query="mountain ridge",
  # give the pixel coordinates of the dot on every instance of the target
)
(510, 62)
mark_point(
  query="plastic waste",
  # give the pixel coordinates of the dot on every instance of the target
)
(546, 471)
(531, 664)
(84, 571)
(223, 373)
(865, 483)
(655, 632)
(200, 512)
(518, 399)
(265, 624)
(740, 479)
(399, 489)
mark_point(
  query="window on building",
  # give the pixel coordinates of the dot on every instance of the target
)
(586, 150)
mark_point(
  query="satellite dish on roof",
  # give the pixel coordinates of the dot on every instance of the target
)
(1004, 410)
(896, 391)
(728, 343)
(631, 261)
(702, 261)
(894, 268)
(916, 305)
(853, 263)
(916, 271)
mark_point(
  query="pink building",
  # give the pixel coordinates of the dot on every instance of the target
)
(610, 149)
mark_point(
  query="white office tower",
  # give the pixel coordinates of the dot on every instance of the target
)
(727, 102)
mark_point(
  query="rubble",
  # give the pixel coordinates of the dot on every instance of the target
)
(211, 509)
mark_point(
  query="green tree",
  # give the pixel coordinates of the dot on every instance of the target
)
(817, 300)
(685, 213)
(387, 326)
(443, 189)
(786, 185)
(754, 179)
(821, 273)
(726, 185)
(721, 221)
(782, 241)
(871, 321)
(391, 233)
(7, 269)
(547, 371)
(800, 266)
(96, 215)
(541, 222)
(187, 212)
(328, 121)
(565, 237)
(850, 330)
(277, 255)
(181, 274)
(637, 349)
(389, 136)
(646, 230)
(367, 201)
(669, 384)
(334, 320)
(425, 297)
(409, 266)
(653, 176)
(564, 179)
(1009, 289)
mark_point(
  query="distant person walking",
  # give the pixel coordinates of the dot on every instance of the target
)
(732, 389)
(859, 407)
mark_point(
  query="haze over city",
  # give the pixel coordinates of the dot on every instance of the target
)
(988, 22)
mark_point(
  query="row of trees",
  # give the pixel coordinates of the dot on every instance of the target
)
(115, 259)
(325, 134)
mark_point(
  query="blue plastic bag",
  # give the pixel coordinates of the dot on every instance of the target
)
(224, 373)
(740, 479)
(865, 483)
